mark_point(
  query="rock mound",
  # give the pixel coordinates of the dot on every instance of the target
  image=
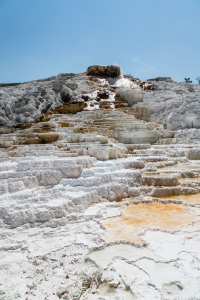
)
(108, 71)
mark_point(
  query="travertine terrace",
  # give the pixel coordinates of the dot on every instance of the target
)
(99, 188)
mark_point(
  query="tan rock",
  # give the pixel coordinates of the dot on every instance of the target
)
(48, 137)
(109, 71)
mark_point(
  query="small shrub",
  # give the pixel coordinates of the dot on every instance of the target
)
(129, 75)
(198, 80)
(188, 80)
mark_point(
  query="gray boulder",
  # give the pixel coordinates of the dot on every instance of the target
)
(72, 85)
(2, 121)
(2, 113)
(66, 95)
(28, 109)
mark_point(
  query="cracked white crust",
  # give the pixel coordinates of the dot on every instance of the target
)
(56, 200)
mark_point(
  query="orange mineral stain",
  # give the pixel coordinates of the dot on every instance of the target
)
(187, 198)
(146, 215)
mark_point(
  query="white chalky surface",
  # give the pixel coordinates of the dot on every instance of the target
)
(66, 179)
(51, 235)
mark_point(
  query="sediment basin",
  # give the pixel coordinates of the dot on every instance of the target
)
(146, 215)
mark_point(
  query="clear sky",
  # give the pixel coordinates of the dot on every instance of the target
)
(148, 38)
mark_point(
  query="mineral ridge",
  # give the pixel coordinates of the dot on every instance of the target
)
(99, 188)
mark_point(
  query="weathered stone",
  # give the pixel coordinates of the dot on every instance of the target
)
(166, 191)
(72, 107)
(130, 95)
(48, 177)
(194, 154)
(33, 141)
(104, 94)
(66, 95)
(2, 121)
(160, 181)
(70, 171)
(48, 137)
(112, 70)
(72, 85)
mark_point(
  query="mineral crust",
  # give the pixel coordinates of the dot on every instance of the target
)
(99, 188)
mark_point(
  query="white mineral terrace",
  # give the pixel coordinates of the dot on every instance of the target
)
(103, 202)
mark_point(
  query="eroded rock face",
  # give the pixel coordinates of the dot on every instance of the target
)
(174, 104)
(25, 102)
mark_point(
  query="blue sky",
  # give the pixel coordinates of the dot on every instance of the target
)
(147, 38)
